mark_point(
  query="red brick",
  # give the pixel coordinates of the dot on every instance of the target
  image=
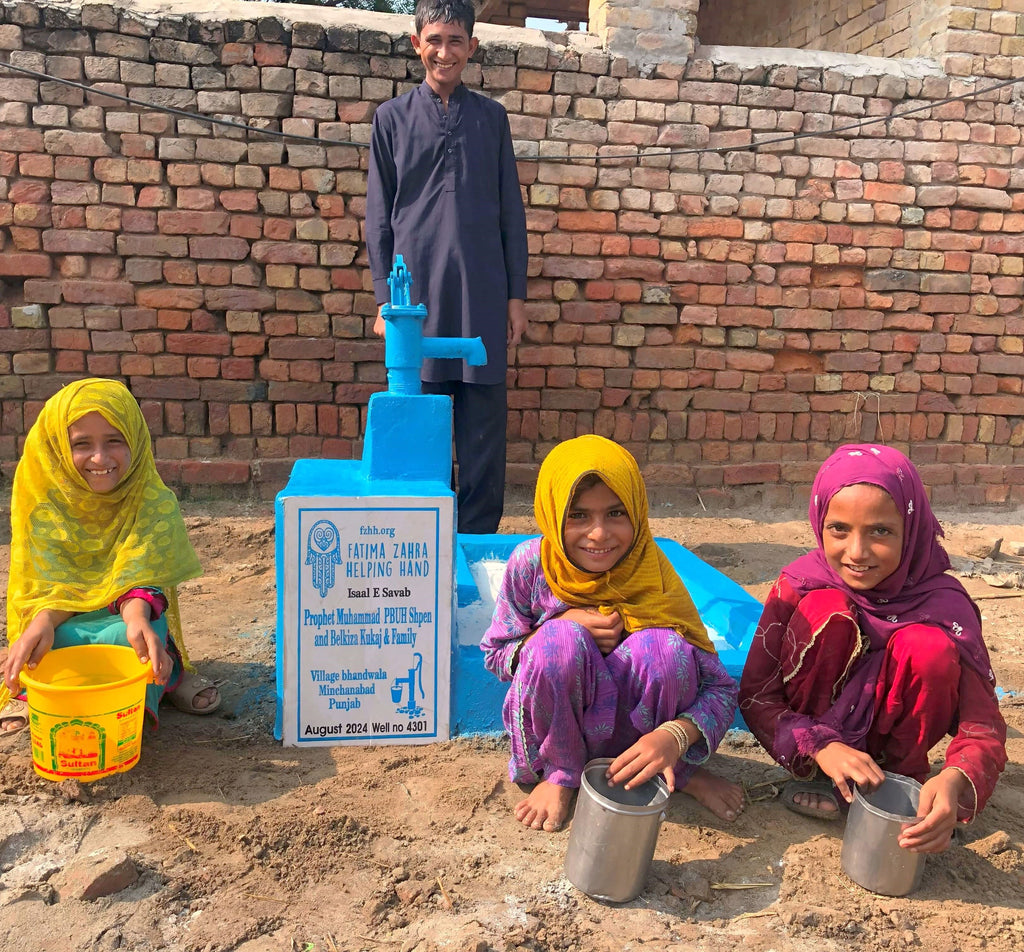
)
(945, 303)
(584, 312)
(644, 269)
(32, 191)
(203, 367)
(699, 272)
(178, 298)
(806, 232)
(715, 228)
(97, 292)
(885, 192)
(227, 249)
(587, 221)
(193, 222)
(70, 339)
(214, 472)
(214, 344)
(28, 265)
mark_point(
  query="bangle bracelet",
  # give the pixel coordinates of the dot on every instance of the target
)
(676, 729)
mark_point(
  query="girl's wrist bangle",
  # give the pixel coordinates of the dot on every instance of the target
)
(676, 729)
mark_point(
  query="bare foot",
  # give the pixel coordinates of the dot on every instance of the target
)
(195, 694)
(208, 697)
(546, 808)
(13, 716)
(819, 802)
(722, 797)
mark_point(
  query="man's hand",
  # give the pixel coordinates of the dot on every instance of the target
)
(379, 323)
(516, 321)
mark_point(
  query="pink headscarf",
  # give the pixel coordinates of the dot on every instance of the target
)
(919, 591)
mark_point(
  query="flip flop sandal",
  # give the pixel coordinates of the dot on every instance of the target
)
(183, 697)
(14, 709)
(823, 788)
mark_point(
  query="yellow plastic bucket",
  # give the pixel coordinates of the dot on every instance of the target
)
(86, 706)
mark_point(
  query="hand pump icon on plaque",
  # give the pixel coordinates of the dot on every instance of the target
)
(399, 687)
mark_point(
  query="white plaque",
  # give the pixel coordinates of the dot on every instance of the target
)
(367, 619)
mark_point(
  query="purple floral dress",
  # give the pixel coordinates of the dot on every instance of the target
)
(568, 703)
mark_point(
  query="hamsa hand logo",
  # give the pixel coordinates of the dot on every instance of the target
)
(323, 552)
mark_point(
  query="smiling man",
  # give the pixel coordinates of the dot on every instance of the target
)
(443, 192)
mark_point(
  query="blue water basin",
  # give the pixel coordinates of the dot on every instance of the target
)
(728, 611)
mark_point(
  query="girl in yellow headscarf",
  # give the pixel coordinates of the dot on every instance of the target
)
(97, 546)
(603, 645)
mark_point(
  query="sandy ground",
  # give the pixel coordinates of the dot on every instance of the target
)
(241, 844)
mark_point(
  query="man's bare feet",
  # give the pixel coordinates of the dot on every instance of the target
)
(722, 797)
(546, 808)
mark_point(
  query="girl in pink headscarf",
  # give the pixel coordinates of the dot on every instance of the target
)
(867, 654)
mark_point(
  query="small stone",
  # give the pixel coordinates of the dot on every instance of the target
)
(408, 892)
(374, 908)
(72, 791)
(983, 548)
(993, 844)
(100, 873)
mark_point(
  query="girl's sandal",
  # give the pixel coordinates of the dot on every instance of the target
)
(183, 697)
(820, 788)
(14, 710)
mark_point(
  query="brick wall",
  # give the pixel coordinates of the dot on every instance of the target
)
(985, 38)
(729, 315)
(869, 27)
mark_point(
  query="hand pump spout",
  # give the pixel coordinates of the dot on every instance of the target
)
(405, 347)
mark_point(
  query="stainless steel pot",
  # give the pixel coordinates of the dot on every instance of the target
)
(872, 856)
(613, 836)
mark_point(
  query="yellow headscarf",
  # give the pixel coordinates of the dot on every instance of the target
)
(76, 550)
(643, 588)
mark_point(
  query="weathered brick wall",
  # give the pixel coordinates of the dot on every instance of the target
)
(985, 38)
(729, 315)
(870, 27)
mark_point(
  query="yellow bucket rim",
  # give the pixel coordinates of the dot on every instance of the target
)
(146, 672)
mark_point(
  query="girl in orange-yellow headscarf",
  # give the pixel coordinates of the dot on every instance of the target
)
(603, 645)
(98, 546)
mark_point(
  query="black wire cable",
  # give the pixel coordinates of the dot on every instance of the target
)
(653, 151)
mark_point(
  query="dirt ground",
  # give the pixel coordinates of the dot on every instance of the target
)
(237, 843)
